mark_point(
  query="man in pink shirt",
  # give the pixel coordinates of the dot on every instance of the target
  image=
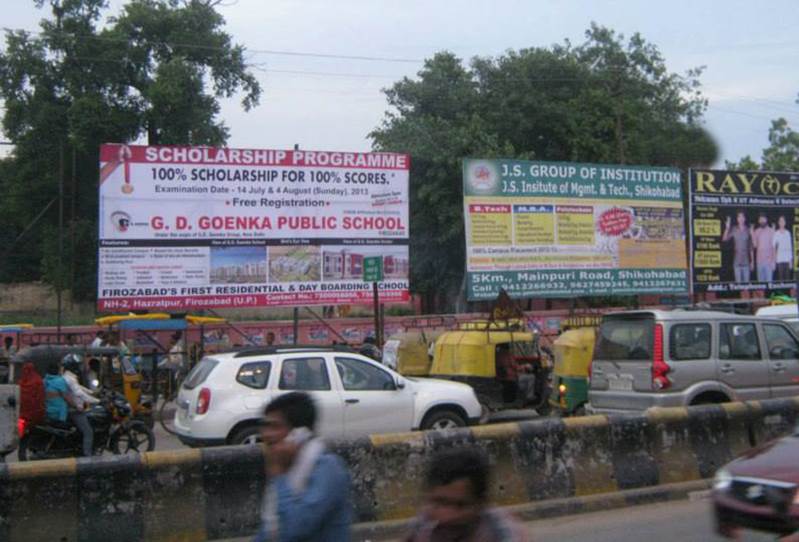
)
(763, 241)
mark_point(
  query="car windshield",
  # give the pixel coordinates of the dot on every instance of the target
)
(200, 372)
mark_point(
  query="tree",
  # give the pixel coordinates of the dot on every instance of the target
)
(158, 70)
(782, 154)
(605, 100)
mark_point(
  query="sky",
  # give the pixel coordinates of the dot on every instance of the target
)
(750, 51)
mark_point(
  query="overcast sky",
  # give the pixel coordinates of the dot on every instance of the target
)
(750, 49)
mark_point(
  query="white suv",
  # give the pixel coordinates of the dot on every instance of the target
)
(222, 399)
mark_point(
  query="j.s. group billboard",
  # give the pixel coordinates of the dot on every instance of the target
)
(744, 230)
(558, 229)
(186, 228)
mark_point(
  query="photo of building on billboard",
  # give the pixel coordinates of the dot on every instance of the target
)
(346, 262)
(558, 229)
(294, 264)
(744, 230)
(238, 264)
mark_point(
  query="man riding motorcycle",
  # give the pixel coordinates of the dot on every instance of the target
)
(83, 399)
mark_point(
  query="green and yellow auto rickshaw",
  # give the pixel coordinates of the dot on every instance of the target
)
(410, 352)
(574, 349)
(478, 354)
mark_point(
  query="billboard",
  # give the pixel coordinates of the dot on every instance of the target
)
(744, 230)
(187, 228)
(558, 229)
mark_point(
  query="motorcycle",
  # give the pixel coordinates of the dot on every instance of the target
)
(114, 430)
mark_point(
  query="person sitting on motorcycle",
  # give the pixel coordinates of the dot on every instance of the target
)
(370, 349)
(57, 396)
(82, 400)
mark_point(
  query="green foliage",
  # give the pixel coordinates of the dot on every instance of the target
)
(157, 70)
(782, 154)
(607, 100)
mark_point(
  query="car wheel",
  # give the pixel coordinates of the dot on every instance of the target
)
(248, 435)
(443, 419)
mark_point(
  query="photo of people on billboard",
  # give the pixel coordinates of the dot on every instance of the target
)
(744, 230)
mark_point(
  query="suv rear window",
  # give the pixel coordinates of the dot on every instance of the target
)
(200, 372)
(625, 339)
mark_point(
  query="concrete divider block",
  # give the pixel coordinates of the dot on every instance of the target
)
(43, 500)
(173, 497)
(587, 449)
(233, 479)
(741, 419)
(776, 417)
(708, 429)
(542, 464)
(499, 442)
(110, 499)
(632, 453)
(670, 445)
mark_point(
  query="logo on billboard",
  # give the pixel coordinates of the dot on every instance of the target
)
(125, 154)
(483, 177)
(770, 185)
(121, 221)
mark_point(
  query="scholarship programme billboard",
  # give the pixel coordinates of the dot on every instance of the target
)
(186, 228)
(558, 229)
(744, 230)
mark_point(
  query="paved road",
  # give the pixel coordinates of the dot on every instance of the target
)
(683, 521)
(679, 521)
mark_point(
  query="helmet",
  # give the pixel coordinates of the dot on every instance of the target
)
(72, 363)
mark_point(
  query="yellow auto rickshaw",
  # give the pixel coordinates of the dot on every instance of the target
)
(411, 352)
(144, 393)
(500, 359)
(574, 350)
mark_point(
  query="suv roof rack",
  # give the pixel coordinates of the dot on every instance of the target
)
(289, 348)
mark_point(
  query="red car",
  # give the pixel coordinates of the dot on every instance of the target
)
(759, 490)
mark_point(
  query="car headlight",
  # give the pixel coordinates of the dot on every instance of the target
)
(722, 480)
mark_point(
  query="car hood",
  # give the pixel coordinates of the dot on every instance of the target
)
(777, 460)
(434, 385)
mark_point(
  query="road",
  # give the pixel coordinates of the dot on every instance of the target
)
(679, 521)
(683, 521)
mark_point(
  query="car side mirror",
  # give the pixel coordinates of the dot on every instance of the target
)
(400, 383)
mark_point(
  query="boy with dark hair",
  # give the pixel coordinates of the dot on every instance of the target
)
(308, 489)
(457, 509)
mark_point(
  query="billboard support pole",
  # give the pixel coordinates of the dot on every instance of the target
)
(376, 309)
(296, 324)
(59, 279)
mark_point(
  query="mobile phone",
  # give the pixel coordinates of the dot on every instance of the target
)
(299, 435)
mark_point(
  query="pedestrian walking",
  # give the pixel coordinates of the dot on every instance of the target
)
(307, 496)
(456, 503)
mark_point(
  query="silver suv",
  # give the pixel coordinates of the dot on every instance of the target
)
(659, 358)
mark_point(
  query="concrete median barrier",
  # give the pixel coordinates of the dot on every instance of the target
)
(215, 493)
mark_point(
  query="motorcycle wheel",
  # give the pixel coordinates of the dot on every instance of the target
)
(135, 438)
(22, 449)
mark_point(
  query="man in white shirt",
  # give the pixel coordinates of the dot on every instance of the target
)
(783, 246)
(83, 399)
(99, 340)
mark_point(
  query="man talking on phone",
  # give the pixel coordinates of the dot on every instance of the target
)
(307, 495)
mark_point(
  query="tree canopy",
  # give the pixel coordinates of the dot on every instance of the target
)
(157, 70)
(782, 153)
(608, 99)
